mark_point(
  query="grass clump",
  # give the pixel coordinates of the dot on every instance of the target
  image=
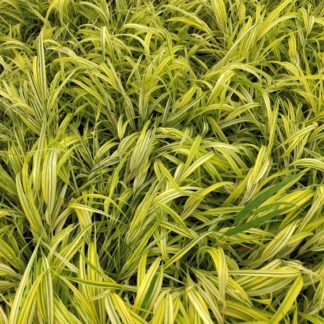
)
(161, 161)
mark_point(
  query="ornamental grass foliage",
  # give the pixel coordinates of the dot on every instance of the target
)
(161, 161)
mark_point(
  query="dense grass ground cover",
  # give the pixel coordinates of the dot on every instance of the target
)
(161, 161)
